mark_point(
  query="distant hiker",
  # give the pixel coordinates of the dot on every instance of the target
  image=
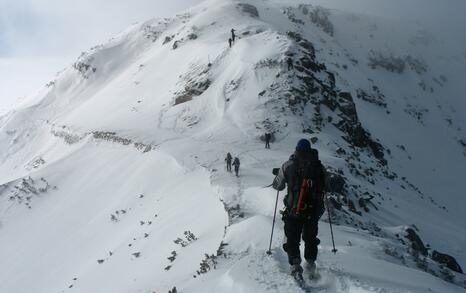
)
(304, 175)
(233, 35)
(229, 42)
(228, 161)
(289, 61)
(268, 136)
(236, 164)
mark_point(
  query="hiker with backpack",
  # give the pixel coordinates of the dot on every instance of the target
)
(289, 61)
(236, 163)
(230, 42)
(233, 35)
(268, 136)
(228, 162)
(304, 176)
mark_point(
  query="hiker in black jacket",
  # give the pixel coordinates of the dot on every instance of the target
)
(233, 35)
(268, 136)
(236, 163)
(228, 161)
(304, 175)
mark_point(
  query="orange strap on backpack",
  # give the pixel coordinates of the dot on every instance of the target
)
(301, 195)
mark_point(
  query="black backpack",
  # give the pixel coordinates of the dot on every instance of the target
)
(307, 184)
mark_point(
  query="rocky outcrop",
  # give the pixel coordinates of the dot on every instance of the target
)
(447, 260)
(318, 88)
(192, 90)
(416, 242)
(335, 182)
(248, 9)
(194, 84)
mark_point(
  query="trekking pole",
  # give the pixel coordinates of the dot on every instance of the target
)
(334, 250)
(269, 252)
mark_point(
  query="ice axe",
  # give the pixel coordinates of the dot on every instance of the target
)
(269, 252)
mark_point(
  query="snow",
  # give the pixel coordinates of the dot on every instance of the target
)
(108, 185)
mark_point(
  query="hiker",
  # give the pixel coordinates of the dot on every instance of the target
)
(229, 42)
(236, 164)
(289, 61)
(233, 35)
(304, 175)
(268, 136)
(228, 161)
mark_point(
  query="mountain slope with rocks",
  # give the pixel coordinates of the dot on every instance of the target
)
(112, 177)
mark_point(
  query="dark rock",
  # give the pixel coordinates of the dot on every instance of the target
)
(416, 242)
(192, 90)
(248, 9)
(335, 183)
(377, 98)
(362, 204)
(352, 207)
(337, 205)
(314, 139)
(341, 151)
(345, 95)
(359, 137)
(447, 260)
(365, 201)
(388, 62)
(192, 36)
(167, 39)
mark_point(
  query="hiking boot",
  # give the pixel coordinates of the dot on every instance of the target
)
(310, 266)
(312, 269)
(296, 270)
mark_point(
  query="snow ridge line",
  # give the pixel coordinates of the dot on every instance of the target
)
(73, 137)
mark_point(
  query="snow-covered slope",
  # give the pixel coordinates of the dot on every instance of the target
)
(112, 178)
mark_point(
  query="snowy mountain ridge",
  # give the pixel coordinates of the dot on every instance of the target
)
(112, 175)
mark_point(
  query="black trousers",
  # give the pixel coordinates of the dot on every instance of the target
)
(267, 144)
(295, 227)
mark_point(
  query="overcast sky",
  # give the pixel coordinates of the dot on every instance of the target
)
(40, 37)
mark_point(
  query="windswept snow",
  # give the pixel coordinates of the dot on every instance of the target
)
(112, 177)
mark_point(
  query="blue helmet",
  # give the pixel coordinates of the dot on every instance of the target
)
(303, 145)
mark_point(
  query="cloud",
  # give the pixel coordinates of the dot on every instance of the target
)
(57, 27)
(21, 77)
(40, 37)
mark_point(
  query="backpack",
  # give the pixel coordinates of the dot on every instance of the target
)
(307, 184)
(236, 162)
